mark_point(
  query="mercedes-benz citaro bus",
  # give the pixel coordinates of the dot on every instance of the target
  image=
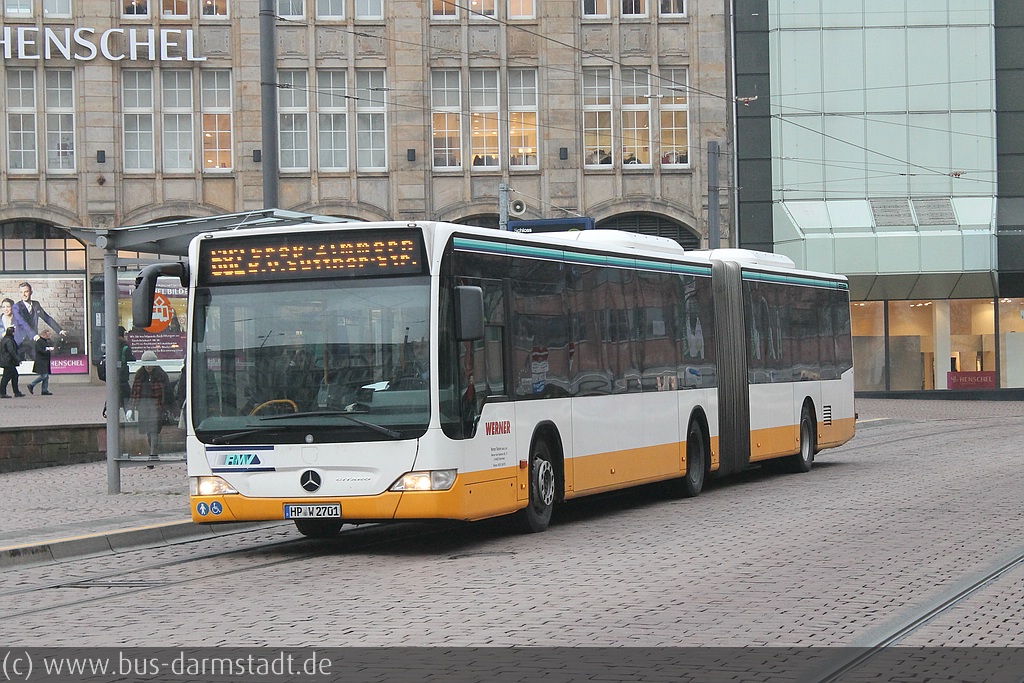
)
(364, 372)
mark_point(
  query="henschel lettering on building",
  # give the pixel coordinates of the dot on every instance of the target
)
(86, 44)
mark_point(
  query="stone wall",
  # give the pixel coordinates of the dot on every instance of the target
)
(26, 448)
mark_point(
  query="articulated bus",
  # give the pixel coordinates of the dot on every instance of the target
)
(407, 371)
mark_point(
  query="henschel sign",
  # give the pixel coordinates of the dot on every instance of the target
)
(86, 44)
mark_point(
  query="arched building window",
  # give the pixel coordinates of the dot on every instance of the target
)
(30, 247)
(653, 224)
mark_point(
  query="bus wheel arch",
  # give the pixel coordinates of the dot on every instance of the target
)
(546, 479)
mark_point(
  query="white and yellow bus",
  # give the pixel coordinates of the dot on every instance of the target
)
(397, 371)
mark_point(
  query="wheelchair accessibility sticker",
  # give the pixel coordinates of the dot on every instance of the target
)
(214, 508)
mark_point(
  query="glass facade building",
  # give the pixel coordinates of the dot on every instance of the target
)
(885, 164)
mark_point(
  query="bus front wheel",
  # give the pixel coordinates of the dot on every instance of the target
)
(318, 528)
(537, 514)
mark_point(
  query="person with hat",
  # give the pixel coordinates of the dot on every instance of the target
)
(9, 361)
(148, 394)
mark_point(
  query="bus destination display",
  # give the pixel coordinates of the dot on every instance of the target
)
(298, 256)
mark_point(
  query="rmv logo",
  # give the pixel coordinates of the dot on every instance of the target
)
(241, 459)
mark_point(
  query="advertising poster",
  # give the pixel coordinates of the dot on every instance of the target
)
(38, 303)
(166, 335)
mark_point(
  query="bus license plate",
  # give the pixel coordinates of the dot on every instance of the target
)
(306, 511)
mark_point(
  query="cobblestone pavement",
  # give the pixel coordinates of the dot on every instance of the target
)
(923, 503)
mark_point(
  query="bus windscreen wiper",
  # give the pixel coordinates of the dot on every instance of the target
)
(227, 438)
(339, 413)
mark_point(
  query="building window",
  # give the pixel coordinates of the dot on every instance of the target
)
(332, 110)
(443, 9)
(636, 117)
(330, 9)
(56, 8)
(522, 118)
(217, 115)
(675, 141)
(369, 9)
(178, 141)
(174, 9)
(32, 247)
(17, 8)
(446, 115)
(371, 130)
(215, 8)
(292, 9)
(521, 9)
(597, 117)
(673, 8)
(634, 8)
(137, 96)
(134, 8)
(485, 148)
(483, 8)
(60, 120)
(21, 120)
(293, 120)
(596, 8)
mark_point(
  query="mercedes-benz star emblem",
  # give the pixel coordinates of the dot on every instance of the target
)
(310, 480)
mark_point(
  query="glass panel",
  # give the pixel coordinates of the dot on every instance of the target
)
(523, 138)
(354, 352)
(1011, 342)
(330, 9)
(485, 139)
(911, 345)
(972, 362)
(76, 260)
(215, 8)
(137, 8)
(443, 8)
(868, 345)
(595, 8)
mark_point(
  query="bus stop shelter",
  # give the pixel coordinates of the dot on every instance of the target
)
(168, 238)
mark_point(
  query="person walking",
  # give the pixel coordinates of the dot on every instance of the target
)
(41, 365)
(148, 394)
(9, 361)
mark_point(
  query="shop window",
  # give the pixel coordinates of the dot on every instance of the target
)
(868, 322)
(1011, 342)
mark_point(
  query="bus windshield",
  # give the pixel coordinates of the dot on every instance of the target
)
(311, 361)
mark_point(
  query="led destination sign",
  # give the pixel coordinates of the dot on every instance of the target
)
(307, 256)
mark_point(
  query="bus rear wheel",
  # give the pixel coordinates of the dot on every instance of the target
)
(318, 528)
(802, 461)
(537, 514)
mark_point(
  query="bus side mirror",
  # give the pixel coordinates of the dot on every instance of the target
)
(145, 290)
(469, 313)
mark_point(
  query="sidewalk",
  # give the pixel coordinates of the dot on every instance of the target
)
(58, 513)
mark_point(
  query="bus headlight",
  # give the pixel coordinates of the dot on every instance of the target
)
(434, 480)
(209, 486)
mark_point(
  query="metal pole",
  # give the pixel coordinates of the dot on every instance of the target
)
(503, 190)
(714, 213)
(268, 92)
(110, 323)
